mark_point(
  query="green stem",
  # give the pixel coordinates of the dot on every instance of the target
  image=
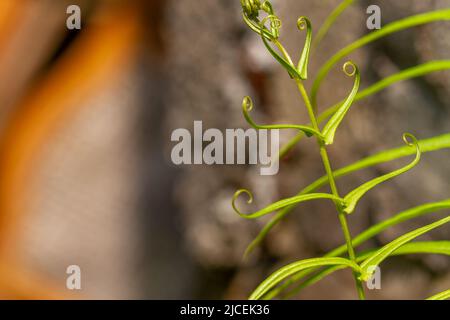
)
(326, 162)
(329, 171)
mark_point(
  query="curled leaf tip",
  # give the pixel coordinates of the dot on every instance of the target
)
(350, 68)
(274, 23)
(329, 131)
(236, 195)
(354, 196)
(272, 35)
(267, 7)
(410, 140)
(247, 104)
(302, 23)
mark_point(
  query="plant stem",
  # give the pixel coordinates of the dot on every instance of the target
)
(334, 190)
(329, 171)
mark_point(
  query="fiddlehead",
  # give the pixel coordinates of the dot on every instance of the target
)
(250, 14)
(350, 69)
(301, 71)
(251, 10)
(302, 24)
(236, 195)
(247, 106)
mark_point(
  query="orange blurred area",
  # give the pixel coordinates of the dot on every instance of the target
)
(37, 102)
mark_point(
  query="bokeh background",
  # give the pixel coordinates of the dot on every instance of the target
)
(85, 170)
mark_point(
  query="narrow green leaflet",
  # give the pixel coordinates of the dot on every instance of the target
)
(308, 282)
(414, 72)
(329, 21)
(420, 19)
(396, 219)
(302, 23)
(279, 204)
(445, 295)
(410, 73)
(376, 229)
(281, 274)
(247, 106)
(354, 196)
(330, 128)
(426, 145)
(426, 247)
(380, 255)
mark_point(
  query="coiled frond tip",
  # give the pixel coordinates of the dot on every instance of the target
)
(410, 139)
(350, 68)
(236, 195)
(247, 104)
(251, 7)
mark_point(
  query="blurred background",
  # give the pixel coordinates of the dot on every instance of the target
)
(85, 172)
